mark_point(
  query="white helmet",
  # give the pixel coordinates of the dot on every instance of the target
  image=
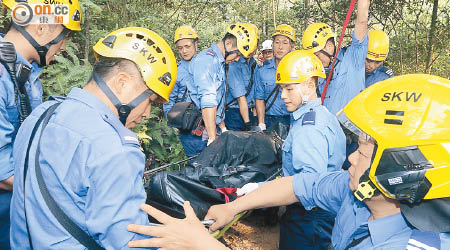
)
(267, 44)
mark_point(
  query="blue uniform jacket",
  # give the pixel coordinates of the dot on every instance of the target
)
(330, 191)
(314, 144)
(179, 88)
(207, 87)
(9, 116)
(9, 125)
(264, 80)
(239, 75)
(348, 77)
(380, 74)
(93, 168)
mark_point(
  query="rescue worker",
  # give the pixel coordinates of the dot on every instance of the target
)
(33, 46)
(315, 144)
(79, 178)
(348, 77)
(395, 194)
(208, 71)
(267, 50)
(240, 101)
(270, 107)
(377, 53)
(186, 41)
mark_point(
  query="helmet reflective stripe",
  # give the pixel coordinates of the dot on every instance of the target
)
(378, 48)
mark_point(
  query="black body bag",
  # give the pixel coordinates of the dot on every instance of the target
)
(184, 116)
(233, 160)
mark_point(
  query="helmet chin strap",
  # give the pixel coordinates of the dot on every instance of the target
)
(123, 109)
(305, 98)
(41, 49)
(227, 53)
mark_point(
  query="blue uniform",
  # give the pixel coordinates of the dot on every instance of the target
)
(93, 168)
(264, 80)
(9, 125)
(239, 75)
(207, 87)
(315, 144)
(330, 191)
(179, 89)
(380, 74)
(349, 75)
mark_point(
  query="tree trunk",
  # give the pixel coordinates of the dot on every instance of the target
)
(431, 37)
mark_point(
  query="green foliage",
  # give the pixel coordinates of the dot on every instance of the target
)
(158, 140)
(67, 73)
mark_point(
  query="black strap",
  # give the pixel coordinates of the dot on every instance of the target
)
(183, 97)
(277, 90)
(250, 85)
(356, 242)
(41, 49)
(224, 96)
(25, 169)
(8, 59)
(123, 109)
(73, 229)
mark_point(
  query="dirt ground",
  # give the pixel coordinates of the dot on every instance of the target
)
(252, 233)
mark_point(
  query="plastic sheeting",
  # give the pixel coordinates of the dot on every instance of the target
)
(233, 160)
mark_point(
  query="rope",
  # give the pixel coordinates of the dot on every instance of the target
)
(344, 28)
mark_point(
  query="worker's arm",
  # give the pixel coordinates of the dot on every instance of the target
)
(326, 190)
(6, 135)
(209, 118)
(362, 19)
(278, 192)
(7, 184)
(243, 108)
(175, 234)
(260, 110)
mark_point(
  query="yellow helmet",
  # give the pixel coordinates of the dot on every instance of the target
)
(378, 45)
(148, 50)
(247, 37)
(74, 10)
(408, 118)
(184, 32)
(285, 30)
(298, 66)
(316, 36)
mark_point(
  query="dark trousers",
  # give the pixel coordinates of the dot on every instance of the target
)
(301, 229)
(192, 144)
(270, 120)
(234, 121)
(5, 202)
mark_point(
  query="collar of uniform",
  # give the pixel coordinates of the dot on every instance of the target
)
(382, 229)
(305, 108)
(271, 63)
(219, 55)
(340, 57)
(183, 63)
(92, 101)
(35, 69)
(374, 72)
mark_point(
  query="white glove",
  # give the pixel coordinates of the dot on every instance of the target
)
(223, 130)
(247, 188)
(209, 142)
(262, 126)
